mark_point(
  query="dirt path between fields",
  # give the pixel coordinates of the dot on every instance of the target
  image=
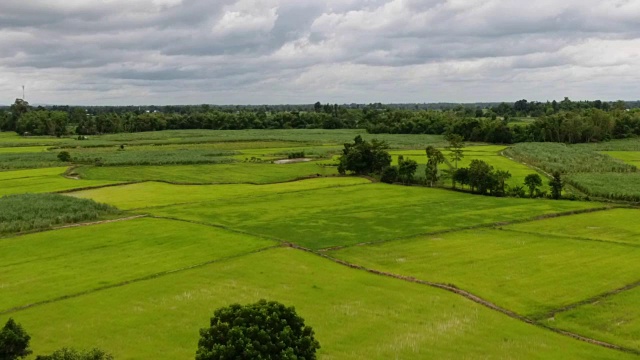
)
(97, 222)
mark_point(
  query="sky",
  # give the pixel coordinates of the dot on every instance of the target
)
(135, 52)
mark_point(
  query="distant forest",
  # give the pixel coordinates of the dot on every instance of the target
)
(523, 121)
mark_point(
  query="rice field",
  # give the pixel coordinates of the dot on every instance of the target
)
(176, 240)
(159, 318)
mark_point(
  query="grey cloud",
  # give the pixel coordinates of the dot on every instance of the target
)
(352, 50)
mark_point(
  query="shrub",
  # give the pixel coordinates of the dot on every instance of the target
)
(64, 156)
(72, 354)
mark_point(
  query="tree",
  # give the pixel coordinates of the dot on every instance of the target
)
(14, 341)
(481, 176)
(364, 158)
(264, 330)
(556, 185)
(435, 158)
(502, 176)
(406, 169)
(72, 354)
(532, 181)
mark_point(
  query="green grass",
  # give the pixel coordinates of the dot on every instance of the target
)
(617, 225)
(151, 194)
(614, 319)
(160, 318)
(27, 212)
(42, 181)
(527, 273)
(629, 157)
(349, 215)
(247, 173)
(48, 265)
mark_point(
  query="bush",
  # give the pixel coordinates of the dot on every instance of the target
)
(389, 175)
(264, 330)
(72, 354)
(296, 155)
(64, 156)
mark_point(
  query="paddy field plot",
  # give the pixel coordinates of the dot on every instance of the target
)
(42, 180)
(153, 194)
(373, 212)
(614, 319)
(160, 318)
(527, 273)
(248, 173)
(616, 225)
(48, 265)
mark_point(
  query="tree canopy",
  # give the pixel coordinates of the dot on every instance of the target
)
(72, 354)
(364, 158)
(263, 330)
(14, 341)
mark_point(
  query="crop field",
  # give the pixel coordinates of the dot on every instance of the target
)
(147, 242)
(411, 320)
(153, 194)
(245, 173)
(613, 318)
(340, 216)
(527, 273)
(42, 180)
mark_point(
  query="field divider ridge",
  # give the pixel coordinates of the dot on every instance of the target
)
(591, 300)
(472, 297)
(132, 281)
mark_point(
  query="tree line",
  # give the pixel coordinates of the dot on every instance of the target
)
(372, 158)
(565, 121)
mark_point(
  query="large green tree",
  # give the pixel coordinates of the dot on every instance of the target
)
(406, 169)
(14, 341)
(263, 330)
(364, 158)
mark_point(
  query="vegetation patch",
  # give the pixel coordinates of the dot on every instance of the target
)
(28, 212)
(42, 181)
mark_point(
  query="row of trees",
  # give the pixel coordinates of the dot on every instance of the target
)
(263, 330)
(372, 158)
(571, 123)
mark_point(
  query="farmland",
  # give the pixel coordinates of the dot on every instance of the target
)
(143, 246)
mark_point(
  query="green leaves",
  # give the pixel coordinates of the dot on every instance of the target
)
(264, 330)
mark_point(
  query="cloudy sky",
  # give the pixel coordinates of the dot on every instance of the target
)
(301, 51)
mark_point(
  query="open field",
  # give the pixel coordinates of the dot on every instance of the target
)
(160, 318)
(152, 194)
(348, 215)
(614, 319)
(42, 180)
(49, 265)
(616, 225)
(234, 173)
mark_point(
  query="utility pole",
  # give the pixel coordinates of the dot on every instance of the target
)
(22, 92)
